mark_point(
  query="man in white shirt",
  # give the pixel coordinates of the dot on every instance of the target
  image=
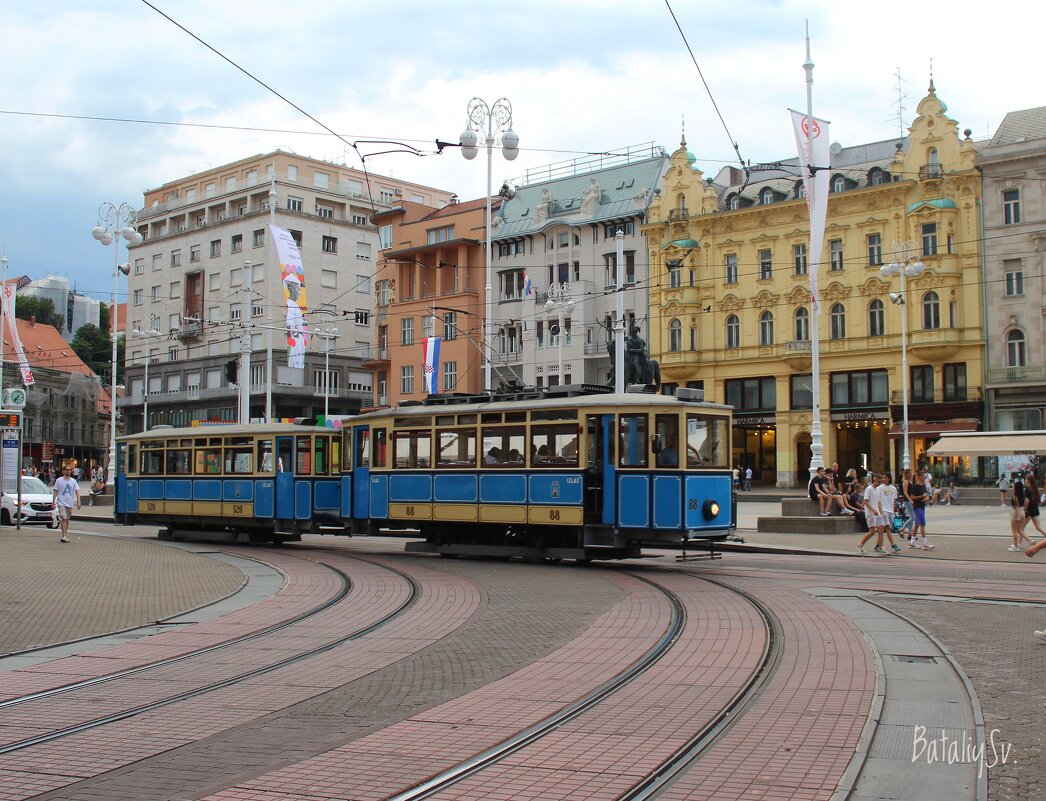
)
(66, 494)
(887, 499)
(872, 503)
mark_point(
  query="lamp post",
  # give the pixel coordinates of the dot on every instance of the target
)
(115, 222)
(498, 120)
(558, 303)
(901, 264)
(139, 334)
(327, 334)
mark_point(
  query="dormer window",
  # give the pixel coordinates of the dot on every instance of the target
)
(838, 184)
(876, 177)
(800, 190)
(766, 197)
(733, 203)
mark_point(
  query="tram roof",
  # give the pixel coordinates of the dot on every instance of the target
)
(620, 401)
(248, 429)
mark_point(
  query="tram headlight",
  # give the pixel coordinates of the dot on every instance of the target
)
(710, 509)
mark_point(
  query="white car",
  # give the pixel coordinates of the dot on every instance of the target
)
(36, 502)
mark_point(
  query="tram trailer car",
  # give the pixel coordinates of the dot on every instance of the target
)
(555, 475)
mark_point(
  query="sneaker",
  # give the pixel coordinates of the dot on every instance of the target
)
(860, 549)
(1013, 548)
(825, 514)
(848, 511)
(879, 549)
(64, 539)
(1041, 635)
(912, 545)
(896, 548)
(928, 547)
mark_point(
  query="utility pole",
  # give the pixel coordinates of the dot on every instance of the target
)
(245, 346)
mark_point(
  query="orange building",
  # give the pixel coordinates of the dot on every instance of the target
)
(429, 281)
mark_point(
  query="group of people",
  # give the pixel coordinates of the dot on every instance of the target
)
(1021, 493)
(876, 502)
(743, 478)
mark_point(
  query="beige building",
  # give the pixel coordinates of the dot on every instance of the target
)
(1013, 166)
(731, 312)
(187, 282)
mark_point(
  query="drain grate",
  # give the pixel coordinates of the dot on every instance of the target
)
(921, 660)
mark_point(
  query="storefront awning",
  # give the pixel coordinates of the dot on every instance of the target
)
(990, 443)
(921, 429)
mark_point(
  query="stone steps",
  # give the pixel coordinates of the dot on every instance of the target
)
(836, 524)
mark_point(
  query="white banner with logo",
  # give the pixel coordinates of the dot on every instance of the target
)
(292, 276)
(16, 342)
(814, 152)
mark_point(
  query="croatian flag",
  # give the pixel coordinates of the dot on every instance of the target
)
(432, 365)
(528, 285)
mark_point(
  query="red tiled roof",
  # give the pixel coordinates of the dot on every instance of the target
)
(44, 348)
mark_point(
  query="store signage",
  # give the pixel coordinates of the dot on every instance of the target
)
(856, 417)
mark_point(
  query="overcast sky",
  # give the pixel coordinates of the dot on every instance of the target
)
(586, 75)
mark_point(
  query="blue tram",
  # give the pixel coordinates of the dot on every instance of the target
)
(579, 476)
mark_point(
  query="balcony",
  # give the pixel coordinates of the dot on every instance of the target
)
(375, 357)
(931, 171)
(946, 395)
(190, 330)
(1016, 375)
(797, 354)
(934, 345)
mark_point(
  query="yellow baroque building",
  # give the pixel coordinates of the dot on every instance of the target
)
(731, 312)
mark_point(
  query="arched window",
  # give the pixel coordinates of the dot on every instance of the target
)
(802, 324)
(766, 328)
(876, 176)
(876, 324)
(733, 332)
(1016, 354)
(681, 205)
(766, 197)
(800, 190)
(837, 316)
(931, 310)
(838, 184)
(675, 336)
(733, 203)
(934, 159)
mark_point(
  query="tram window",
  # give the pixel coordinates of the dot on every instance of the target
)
(457, 448)
(303, 456)
(553, 414)
(492, 417)
(412, 449)
(515, 417)
(554, 445)
(413, 422)
(706, 441)
(265, 455)
(467, 420)
(336, 454)
(284, 455)
(185, 443)
(320, 446)
(504, 447)
(379, 456)
(238, 461)
(346, 449)
(444, 419)
(132, 457)
(200, 442)
(632, 440)
(179, 462)
(152, 463)
(363, 448)
(666, 433)
(208, 461)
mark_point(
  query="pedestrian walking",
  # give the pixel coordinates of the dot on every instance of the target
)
(888, 495)
(1018, 513)
(66, 494)
(748, 478)
(917, 495)
(737, 478)
(902, 497)
(1031, 506)
(872, 502)
(1004, 488)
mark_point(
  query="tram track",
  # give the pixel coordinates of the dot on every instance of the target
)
(414, 595)
(680, 759)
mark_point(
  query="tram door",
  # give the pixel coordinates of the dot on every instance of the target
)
(361, 472)
(600, 494)
(285, 478)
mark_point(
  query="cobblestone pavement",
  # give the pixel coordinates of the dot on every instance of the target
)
(52, 592)
(1007, 665)
(547, 607)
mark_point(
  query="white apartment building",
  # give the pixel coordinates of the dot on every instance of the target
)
(186, 311)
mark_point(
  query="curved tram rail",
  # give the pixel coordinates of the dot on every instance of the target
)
(411, 600)
(681, 759)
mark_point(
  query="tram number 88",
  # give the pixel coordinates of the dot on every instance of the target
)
(553, 514)
(692, 504)
(409, 511)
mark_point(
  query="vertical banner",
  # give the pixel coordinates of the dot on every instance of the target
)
(528, 285)
(432, 365)
(16, 342)
(814, 152)
(292, 276)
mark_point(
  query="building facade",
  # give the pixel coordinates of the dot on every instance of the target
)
(1013, 167)
(429, 282)
(207, 276)
(555, 263)
(731, 301)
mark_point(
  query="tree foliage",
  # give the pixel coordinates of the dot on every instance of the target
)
(28, 307)
(94, 347)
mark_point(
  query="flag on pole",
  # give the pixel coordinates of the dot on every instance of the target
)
(528, 285)
(432, 365)
(814, 152)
